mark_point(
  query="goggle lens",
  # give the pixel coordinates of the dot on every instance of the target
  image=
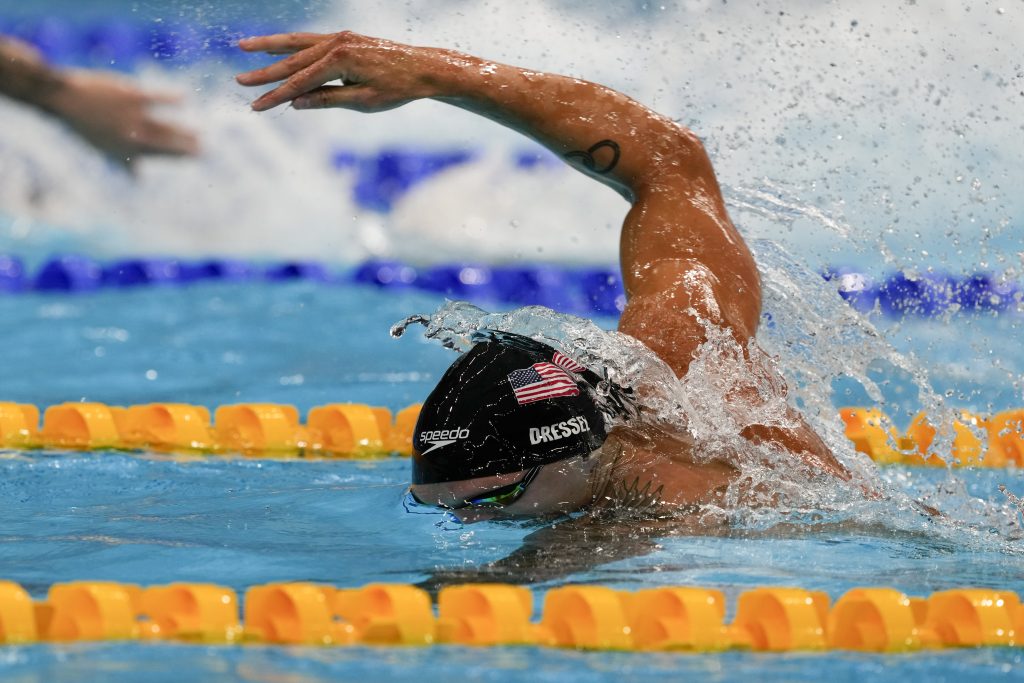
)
(497, 498)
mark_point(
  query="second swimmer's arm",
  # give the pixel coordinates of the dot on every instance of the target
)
(108, 112)
(599, 131)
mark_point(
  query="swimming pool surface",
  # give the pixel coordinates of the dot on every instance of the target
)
(875, 136)
(237, 521)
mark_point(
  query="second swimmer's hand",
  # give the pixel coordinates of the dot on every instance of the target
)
(375, 74)
(114, 116)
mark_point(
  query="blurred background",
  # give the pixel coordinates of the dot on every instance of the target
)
(884, 135)
(877, 143)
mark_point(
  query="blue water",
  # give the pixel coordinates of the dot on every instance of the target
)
(805, 171)
(306, 344)
(173, 663)
(236, 521)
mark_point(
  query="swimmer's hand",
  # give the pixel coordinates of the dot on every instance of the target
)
(115, 117)
(106, 110)
(376, 75)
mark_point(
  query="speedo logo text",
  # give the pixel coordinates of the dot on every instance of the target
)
(559, 430)
(440, 438)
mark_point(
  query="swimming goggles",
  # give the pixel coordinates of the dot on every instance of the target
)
(496, 498)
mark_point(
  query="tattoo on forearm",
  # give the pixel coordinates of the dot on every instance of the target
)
(587, 158)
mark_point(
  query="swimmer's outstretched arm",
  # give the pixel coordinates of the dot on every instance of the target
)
(599, 131)
(683, 261)
(684, 264)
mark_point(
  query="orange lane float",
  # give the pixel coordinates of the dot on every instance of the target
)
(969, 440)
(81, 426)
(680, 619)
(387, 614)
(872, 433)
(587, 618)
(258, 428)
(779, 619)
(252, 429)
(874, 620)
(19, 424)
(768, 619)
(358, 430)
(1006, 437)
(17, 615)
(405, 425)
(350, 429)
(486, 614)
(292, 613)
(89, 610)
(202, 613)
(974, 617)
(167, 427)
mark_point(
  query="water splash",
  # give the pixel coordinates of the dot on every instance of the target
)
(813, 339)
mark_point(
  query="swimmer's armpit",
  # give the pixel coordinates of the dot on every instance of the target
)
(633, 496)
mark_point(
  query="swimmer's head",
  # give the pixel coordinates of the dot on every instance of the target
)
(506, 410)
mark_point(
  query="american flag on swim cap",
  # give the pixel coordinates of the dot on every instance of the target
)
(541, 381)
(566, 363)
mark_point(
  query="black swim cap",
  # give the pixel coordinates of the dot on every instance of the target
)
(508, 404)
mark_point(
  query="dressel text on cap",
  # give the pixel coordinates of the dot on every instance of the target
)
(559, 430)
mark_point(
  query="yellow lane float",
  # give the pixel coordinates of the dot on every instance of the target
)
(355, 430)
(691, 619)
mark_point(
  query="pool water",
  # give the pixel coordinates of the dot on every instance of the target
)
(928, 83)
(145, 518)
(300, 343)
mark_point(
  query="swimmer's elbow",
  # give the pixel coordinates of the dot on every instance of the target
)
(676, 154)
(686, 150)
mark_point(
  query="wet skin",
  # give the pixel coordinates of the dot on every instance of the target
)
(683, 262)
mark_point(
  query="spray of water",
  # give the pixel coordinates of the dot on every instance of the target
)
(880, 132)
(893, 113)
(813, 338)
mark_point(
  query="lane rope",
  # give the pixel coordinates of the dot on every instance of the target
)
(360, 430)
(768, 619)
(593, 290)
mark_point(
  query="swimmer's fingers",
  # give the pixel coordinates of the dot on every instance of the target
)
(355, 97)
(155, 137)
(286, 67)
(282, 43)
(158, 98)
(313, 76)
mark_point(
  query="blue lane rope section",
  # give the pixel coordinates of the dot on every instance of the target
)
(929, 294)
(574, 289)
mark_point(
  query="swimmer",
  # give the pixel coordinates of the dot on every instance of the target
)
(105, 110)
(515, 428)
